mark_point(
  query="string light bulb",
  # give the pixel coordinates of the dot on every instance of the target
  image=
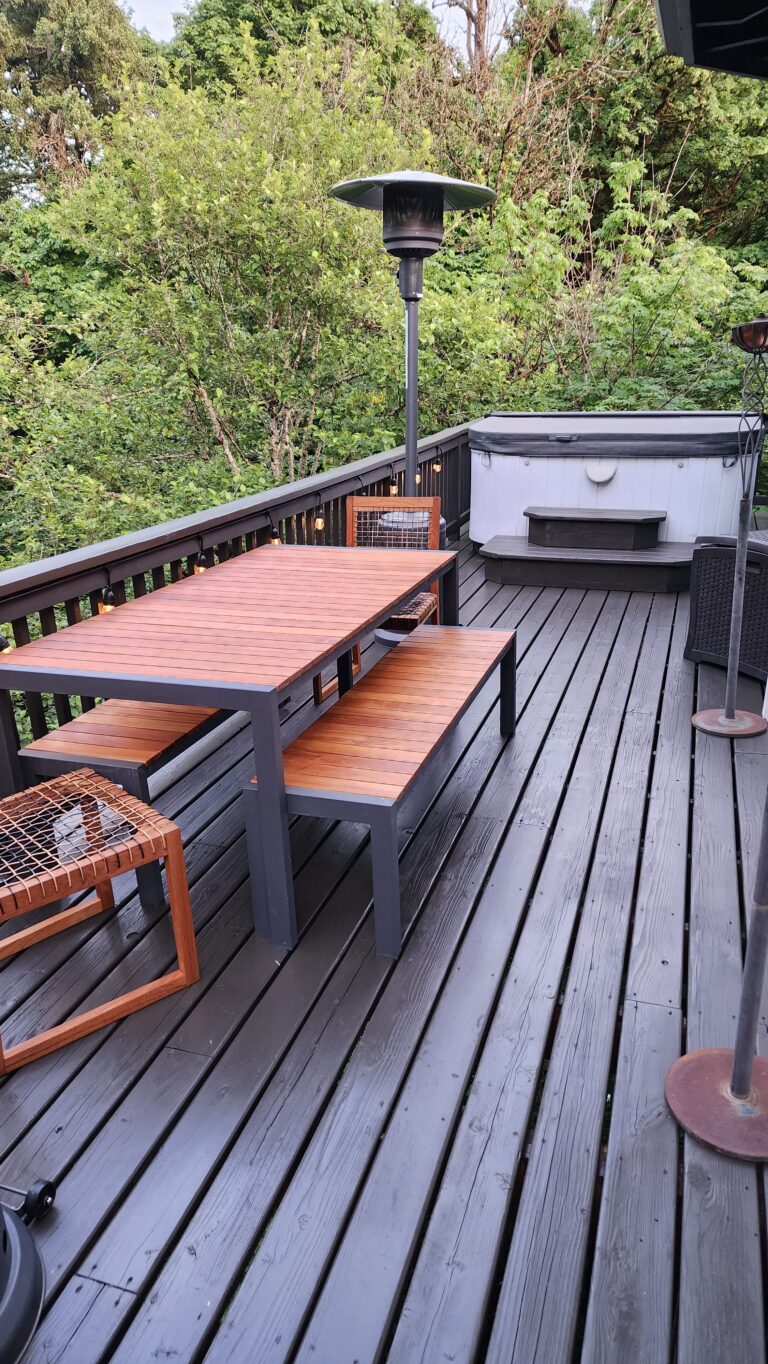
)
(437, 463)
(274, 533)
(319, 515)
(201, 563)
(108, 600)
(5, 645)
(392, 481)
(418, 477)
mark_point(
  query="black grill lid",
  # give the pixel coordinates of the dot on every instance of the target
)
(591, 435)
(732, 37)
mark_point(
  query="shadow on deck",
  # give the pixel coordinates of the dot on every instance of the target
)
(465, 1155)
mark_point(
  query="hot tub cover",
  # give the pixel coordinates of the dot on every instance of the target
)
(590, 435)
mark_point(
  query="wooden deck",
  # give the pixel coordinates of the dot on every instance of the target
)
(464, 1156)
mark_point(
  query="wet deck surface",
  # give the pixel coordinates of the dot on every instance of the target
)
(463, 1156)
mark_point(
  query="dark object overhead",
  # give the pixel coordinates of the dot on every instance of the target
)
(732, 38)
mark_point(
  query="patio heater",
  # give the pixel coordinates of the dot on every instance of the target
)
(718, 1095)
(412, 204)
(751, 337)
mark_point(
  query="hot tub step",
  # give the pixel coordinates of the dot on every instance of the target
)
(590, 528)
(512, 559)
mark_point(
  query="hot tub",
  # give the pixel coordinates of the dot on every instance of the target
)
(685, 463)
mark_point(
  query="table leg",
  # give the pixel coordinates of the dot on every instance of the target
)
(11, 778)
(345, 671)
(272, 881)
(450, 585)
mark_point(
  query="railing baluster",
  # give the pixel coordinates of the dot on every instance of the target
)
(49, 627)
(32, 701)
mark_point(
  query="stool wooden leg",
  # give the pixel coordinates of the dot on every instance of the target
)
(187, 972)
(106, 894)
(181, 910)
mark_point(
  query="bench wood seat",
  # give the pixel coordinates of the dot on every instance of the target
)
(358, 759)
(124, 741)
(132, 731)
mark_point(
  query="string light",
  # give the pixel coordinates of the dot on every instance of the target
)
(274, 533)
(418, 477)
(363, 489)
(201, 563)
(5, 645)
(437, 463)
(108, 600)
(319, 515)
(392, 481)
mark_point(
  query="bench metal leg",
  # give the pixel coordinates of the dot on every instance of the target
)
(386, 881)
(508, 689)
(345, 671)
(148, 879)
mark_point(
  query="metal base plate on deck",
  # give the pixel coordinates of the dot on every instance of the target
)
(744, 724)
(698, 1090)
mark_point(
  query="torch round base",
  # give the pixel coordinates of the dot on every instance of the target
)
(743, 725)
(698, 1091)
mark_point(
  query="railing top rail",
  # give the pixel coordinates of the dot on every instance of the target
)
(291, 498)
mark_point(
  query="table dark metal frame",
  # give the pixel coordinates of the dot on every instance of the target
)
(273, 901)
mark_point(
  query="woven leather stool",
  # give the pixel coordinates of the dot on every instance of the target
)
(70, 834)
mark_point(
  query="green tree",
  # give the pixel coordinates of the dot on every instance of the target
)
(63, 60)
(208, 45)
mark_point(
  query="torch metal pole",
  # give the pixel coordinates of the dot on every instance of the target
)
(411, 277)
(754, 973)
(737, 607)
(727, 721)
(719, 1095)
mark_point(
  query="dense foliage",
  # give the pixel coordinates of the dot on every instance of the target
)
(185, 316)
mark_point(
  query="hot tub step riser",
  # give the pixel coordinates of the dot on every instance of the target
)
(593, 534)
(619, 577)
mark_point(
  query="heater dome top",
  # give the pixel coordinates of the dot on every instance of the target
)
(369, 192)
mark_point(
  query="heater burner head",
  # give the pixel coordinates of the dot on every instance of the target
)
(412, 204)
(752, 336)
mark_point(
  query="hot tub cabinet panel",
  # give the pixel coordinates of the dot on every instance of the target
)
(684, 463)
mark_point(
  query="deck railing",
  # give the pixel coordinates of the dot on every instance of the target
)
(46, 596)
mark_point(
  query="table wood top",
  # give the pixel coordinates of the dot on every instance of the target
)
(263, 619)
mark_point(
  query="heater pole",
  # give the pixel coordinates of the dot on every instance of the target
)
(410, 278)
(728, 722)
(737, 609)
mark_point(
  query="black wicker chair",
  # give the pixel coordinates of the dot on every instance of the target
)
(711, 593)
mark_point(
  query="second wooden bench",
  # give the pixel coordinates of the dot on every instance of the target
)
(359, 758)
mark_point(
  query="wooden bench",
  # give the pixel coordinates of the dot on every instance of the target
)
(359, 758)
(125, 741)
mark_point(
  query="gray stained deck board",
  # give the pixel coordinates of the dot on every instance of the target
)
(721, 1308)
(537, 1309)
(397, 1138)
(631, 1305)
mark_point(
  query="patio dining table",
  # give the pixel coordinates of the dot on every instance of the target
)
(235, 637)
